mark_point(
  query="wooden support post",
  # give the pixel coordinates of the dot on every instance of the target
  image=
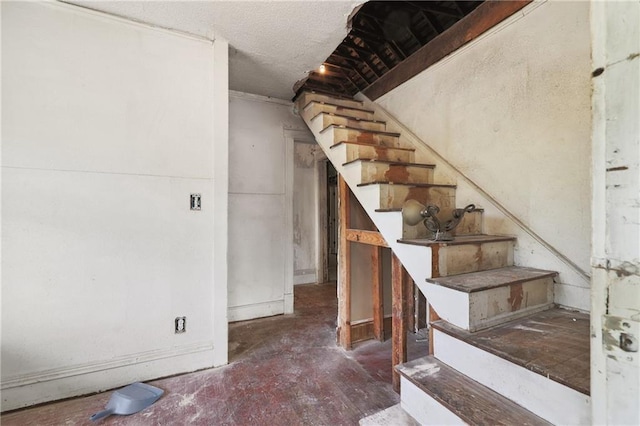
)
(410, 300)
(378, 299)
(344, 266)
(399, 319)
(433, 316)
(421, 310)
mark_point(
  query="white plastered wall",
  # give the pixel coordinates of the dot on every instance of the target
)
(261, 166)
(108, 127)
(511, 111)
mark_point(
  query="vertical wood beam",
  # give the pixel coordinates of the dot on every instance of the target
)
(421, 310)
(433, 316)
(344, 266)
(398, 320)
(410, 300)
(378, 299)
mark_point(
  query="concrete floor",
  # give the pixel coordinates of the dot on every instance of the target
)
(284, 370)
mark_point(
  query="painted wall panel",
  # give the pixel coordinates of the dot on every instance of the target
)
(107, 129)
(258, 160)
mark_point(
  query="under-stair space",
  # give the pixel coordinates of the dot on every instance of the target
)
(502, 352)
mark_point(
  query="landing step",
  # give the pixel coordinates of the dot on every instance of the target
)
(463, 239)
(391, 163)
(465, 398)
(393, 415)
(400, 210)
(552, 343)
(494, 278)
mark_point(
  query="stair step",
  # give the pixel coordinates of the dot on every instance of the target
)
(307, 97)
(464, 399)
(467, 253)
(329, 118)
(541, 361)
(496, 296)
(393, 195)
(313, 108)
(372, 137)
(375, 170)
(356, 150)
(494, 278)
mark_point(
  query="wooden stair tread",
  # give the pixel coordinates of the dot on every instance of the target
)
(418, 185)
(553, 343)
(493, 278)
(339, 106)
(474, 403)
(350, 117)
(391, 163)
(370, 144)
(399, 209)
(462, 239)
(357, 129)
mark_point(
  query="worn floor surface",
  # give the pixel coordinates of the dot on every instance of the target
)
(284, 370)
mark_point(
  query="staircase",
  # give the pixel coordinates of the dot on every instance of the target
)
(503, 353)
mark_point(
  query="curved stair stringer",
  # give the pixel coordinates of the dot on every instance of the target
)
(572, 288)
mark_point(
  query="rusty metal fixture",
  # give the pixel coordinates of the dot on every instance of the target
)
(413, 212)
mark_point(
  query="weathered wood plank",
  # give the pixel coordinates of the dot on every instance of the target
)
(484, 17)
(399, 319)
(344, 266)
(378, 299)
(373, 238)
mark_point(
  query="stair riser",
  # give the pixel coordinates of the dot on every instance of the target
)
(350, 135)
(548, 399)
(307, 97)
(394, 196)
(376, 172)
(471, 224)
(314, 109)
(422, 407)
(355, 152)
(498, 305)
(464, 258)
(328, 120)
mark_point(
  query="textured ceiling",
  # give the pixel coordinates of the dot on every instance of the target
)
(273, 44)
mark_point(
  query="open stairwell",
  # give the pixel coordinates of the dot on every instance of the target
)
(503, 353)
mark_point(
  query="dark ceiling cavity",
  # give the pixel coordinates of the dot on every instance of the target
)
(382, 35)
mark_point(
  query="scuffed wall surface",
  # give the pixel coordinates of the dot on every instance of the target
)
(106, 131)
(512, 112)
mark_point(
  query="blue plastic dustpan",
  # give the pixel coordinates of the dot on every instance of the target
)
(130, 399)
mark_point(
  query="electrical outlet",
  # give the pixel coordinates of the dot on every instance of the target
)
(181, 325)
(195, 202)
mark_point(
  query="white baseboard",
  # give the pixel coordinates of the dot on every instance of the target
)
(305, 279)
(70, 381)
(255, 310)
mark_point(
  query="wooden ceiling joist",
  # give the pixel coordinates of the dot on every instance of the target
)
(391, 41)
